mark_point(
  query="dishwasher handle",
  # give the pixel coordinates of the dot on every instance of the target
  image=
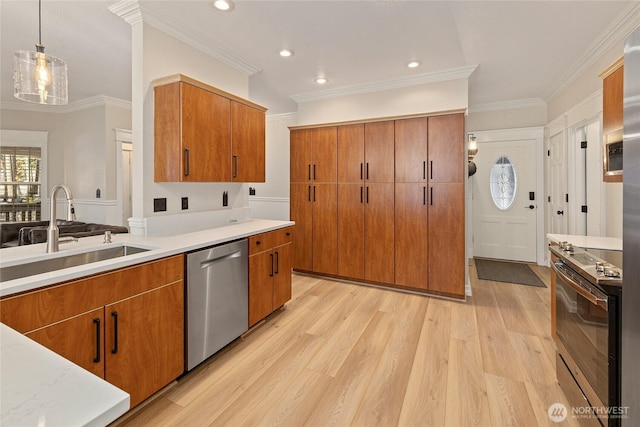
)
(208, 263)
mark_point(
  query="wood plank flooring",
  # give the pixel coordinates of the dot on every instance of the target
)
(341, 354)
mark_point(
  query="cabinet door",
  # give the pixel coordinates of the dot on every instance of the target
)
(379, 232)
(79, 339)
(282, 275)
(301, 207)
(612, 102)
(411, 235)
(351, 230)
(205, 136)
(446, 238)
(261, 273)
(379, 151)
(300, 153)
(168, 154)
(247, 143)
(446, 148)
(351, 153)
(324, 146)
(144, 338)
(325, 228)
(411, 137)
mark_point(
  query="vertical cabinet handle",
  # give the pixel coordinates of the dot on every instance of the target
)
(431, 169)
(361, 197)
(96, 322)
(314, 193)
(186, 162)
(271, 274)
(360, 170)
(314, 172)
(367, 170)
(424, 195)
(309, 192)
(235, 166)
(424, 169)
(114, 315)
(367, 194)
(431, 196)
(277, 262)
(309, 172)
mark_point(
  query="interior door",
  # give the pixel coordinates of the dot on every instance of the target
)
(557, 188)
(505, 201)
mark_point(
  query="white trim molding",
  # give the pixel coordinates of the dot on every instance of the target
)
(507, 105)
(81, 104)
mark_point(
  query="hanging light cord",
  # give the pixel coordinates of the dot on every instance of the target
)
(39, 46)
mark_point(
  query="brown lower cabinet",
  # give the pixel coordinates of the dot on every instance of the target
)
(270, 263)
(126, 326)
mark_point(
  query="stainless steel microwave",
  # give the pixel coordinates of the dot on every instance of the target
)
(613, 153)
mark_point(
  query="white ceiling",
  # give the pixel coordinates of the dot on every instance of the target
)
(524, 50)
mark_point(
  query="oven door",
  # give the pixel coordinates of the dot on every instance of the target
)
(582, 328)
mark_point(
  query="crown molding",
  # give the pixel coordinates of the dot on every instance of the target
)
(434, 77)
(193, 39)
(616, 32)
(82, 104)
(507, 105)
(282, 116)
(128, 10)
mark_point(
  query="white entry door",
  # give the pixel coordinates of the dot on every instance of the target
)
(505, 201)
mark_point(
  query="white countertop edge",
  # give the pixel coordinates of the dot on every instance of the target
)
(160, 247)
(40, 387)
(590, 242)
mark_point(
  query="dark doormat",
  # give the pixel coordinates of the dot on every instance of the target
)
(510, 272)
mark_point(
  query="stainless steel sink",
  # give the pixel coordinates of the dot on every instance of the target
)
(59, 263)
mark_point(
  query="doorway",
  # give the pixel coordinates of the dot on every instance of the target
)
(124, 144)
(507, 197)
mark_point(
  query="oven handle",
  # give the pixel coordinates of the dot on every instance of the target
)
(587, 293)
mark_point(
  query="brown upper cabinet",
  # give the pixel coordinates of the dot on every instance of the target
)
(612, 114)
(446, 148)
(411, 151)
(203, 134)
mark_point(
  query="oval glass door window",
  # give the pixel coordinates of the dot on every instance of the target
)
(503, 183)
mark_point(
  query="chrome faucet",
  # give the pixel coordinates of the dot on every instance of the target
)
(53, 233)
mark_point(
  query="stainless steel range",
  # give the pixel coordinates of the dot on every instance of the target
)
(588, 290)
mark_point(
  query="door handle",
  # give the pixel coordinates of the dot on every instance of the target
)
(186, 162)
(314, 172)
(309, 172)
(114, 315)
(271, 274)
(277, 262)
(367, 170)
(360, 170)
(96, 322)
(560, 212)
(530, 207)
(235, 166)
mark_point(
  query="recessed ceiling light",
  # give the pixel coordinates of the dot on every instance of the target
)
(321, 80)
(286, 53)
(414, 64)
(224, 5)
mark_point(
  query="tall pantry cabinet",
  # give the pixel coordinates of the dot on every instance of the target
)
(314, 199)
(365, 201)
(399, 208)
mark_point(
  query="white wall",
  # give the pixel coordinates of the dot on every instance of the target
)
(271, 200)
(156, 55)
(425, 98)
(80, 153)
(506, 118)
(581, 102)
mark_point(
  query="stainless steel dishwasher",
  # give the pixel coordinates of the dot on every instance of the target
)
(217, 299)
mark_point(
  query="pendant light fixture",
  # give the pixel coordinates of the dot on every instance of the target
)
(38, 77)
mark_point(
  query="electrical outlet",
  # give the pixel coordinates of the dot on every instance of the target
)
(252, 191)
(185, 203)
(225, 198)
(160, 205)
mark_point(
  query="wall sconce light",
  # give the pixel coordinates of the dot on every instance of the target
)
(38, 77)
(472, 150)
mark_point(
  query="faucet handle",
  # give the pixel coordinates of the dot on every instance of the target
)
(107, 236)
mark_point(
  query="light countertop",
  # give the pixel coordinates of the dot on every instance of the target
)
(39, 387)
(591, 242)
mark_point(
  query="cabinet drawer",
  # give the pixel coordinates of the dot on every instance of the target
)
(265, 241)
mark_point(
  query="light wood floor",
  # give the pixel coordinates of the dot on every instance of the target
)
(349, 355)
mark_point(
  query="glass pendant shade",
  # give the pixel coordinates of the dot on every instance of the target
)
(39, 78)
